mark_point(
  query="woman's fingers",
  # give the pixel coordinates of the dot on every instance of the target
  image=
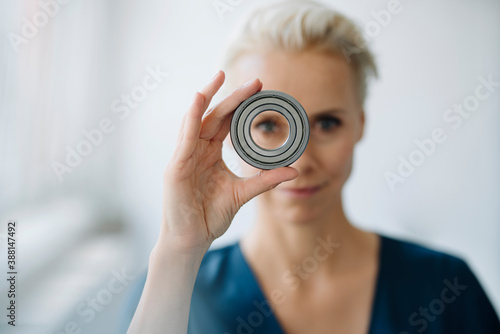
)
(223, 131)
(215, 125)
(264, 180)
(226, 126)
(187, 140)
(191, 123)
(213, 87)
(214, 119)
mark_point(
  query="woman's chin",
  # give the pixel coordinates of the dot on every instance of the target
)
(298, 215)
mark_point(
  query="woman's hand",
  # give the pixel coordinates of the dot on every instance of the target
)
(201, 195)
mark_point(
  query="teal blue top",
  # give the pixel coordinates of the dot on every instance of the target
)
(418, 290)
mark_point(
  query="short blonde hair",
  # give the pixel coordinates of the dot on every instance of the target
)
(303, 25)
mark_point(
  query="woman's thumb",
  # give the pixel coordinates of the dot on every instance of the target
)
(263, 181)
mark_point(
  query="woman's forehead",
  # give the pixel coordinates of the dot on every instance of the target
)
(313, 78)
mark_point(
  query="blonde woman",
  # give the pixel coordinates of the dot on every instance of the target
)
(303, 268)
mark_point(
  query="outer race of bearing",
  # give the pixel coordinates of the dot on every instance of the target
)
(298, 135)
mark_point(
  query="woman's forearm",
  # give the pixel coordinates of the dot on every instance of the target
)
(165, 301)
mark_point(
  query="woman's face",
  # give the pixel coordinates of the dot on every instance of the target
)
(324, 86)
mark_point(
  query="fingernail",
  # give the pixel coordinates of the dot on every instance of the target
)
(248, 83)
(216, 74)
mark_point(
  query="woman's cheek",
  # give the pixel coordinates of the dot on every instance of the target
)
(339, 157)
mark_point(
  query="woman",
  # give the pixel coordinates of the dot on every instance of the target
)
(303, 268)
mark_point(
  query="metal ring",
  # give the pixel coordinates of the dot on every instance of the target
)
(298, 123)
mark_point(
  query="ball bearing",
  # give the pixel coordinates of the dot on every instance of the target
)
(298, 135)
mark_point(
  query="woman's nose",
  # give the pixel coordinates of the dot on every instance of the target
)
(308, 161)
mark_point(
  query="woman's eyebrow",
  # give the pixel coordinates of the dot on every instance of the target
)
(327, 112)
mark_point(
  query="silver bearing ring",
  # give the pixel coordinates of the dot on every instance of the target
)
(298, 135)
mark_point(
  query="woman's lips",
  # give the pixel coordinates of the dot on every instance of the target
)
(301, 192)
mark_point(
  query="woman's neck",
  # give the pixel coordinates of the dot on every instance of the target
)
(329, 240)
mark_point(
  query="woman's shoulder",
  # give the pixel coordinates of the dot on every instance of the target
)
(220, 255)
(405, 263)
(410, 256)
(421, 288)
(218, 264)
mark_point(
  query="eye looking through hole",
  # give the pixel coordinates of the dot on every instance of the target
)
(269, 130)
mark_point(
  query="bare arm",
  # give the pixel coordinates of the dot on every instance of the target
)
(201, 197)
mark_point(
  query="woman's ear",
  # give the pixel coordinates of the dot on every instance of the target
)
(361, 125)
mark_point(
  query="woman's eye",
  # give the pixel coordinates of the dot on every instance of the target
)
(266, 126)
(328, 123)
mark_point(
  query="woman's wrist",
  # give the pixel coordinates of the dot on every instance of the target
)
(163, 256)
